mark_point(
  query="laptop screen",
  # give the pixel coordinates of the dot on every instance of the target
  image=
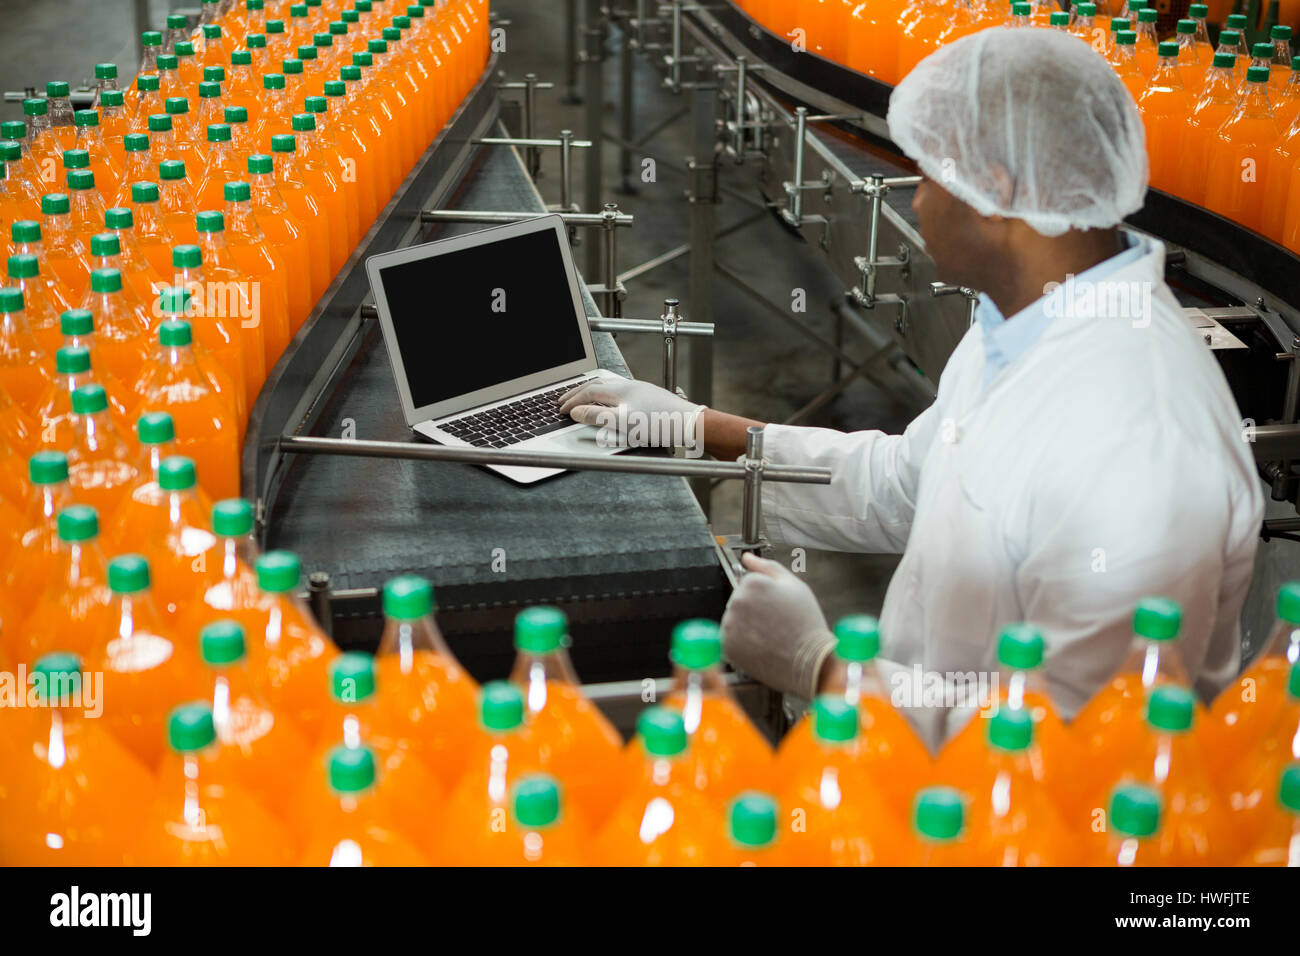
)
(472, 318)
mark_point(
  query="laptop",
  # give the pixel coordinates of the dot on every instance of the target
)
(485, 332)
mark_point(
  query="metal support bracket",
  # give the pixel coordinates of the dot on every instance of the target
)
(972, 297)
(530, 85)
(674, 59)
(565, 144)
(745, 105)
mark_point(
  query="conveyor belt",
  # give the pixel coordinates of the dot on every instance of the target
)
(625, 555)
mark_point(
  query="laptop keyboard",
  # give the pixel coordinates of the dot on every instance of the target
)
(513, 422)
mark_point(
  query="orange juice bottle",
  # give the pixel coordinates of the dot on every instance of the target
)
(242, 88)
(45, 144)
(939, 828)
(138, 168)
(188, 67)
(59, 426)
(197, 818)
(215, 52)
(148, 102)
(359, 150)
(540, 831)
(1280, 843)
(1230, 42)
(1134, 837)
(1242, 143)
(868, 46)
(223, 167)
(1244, 710)
(277, 108)
(356, 829)
(20, 197)
(254, 255)
(1286, 99)
(247, 17)
(375, 110)
(137, 278)
(23, 582)
(71, 794)
(398, 94)
(424, 41)
(147, 670)
(285, 232)
(74, 605)
(1281, 162)
(166, 147)
(219, 349)
(186, 132)
(499, 756)
(121, 330)
(211, 111)
(893, 756)
(410, 69)
(143, 513)
(24, 166)
(101, 462)
(319, 63)
(1021, 688)
(169, 77)
(298, 25)
(1249, 785)
(276, 42)
(1193, 57)
(1013, 820)
(108, 173)
(229, 583)
(662, 819)
(294, 86)
(285, 644)
(23, 372)
(244, 305)
(1164, 107)
(326, 237)
(752, 837)
(343, 170)
(85, 206)
(406, 787)
(847, 820)
(39, 310)
(1148, 41)
(575, 741)
(176, 202)
(726, 753)
(263, 750)
(1215, 104)
(25, 236)
(320, 175)
(65, 254)
(1115, 715)
(422, 687)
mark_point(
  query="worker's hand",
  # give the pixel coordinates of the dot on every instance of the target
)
(774, 630)
(638, 414)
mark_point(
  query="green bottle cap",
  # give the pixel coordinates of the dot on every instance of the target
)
(1262, 51)
(260, 164)
(89, 400)
(1167, 48)
(338, 28)
(236, 192)
(136, 142)
(144, 192)
(47, 468)
(147, 83)
(303, 121)
(1199, 10)
(241, 58)
(377, 45)
(274, 26)
(58, 677)
(352, 677)
(1020, 9)
(23, 267)
(537, 802)
(173, 300)
(221, 643)
(13, 129)
(1126, 38)
(1293, 682)
(85, 118)
(939, 814)
(322, 40)
(415, 10)
(56, 89)
(176, 473)
(151, 38)
(1020, 647)
(1288, 789)
(106, 280)
(78, 523)
(176, 21)
(211, 31)
(174, 334)
(232, 518)
(315, 104)
(1236, 21)
(111, 98)
(278, 571)
(76, 322)
(408, 598)
(160, 123)
(350, 16)
(214, 74)
(335, 88)
(283, 143)
(171, 170)
(1288, 602)
(857, 638)
(751, 819)
(128, 574)
(1224, 61)
(1059, 18)
(1185, 26)
(35, 106)
(11, 300)
(218, 133)
(187, 257)
(72, 360)
(105, 71)
(1011, 730)
(402, 22)
(105, 244)
(273, 81)
(11, 150)
(210, 220)
(235, 114)
(1171, 709)
(500, 707)
(306, 52)
(1157, 619)
(80, 179)
(289, 67)
(362, 59)
(1257, 74)
(540, 630)
(351, 769)
(256, 41)
(176, 105)
(54, 204)
(190, 728)
(76, 159)
(696, 645)
(25, 230)
(662, 732)
(1147, 16)
(350, 73)
(1279, 31)
(834, 720)
(155, 428)
(1135, 811)
(1086, 9)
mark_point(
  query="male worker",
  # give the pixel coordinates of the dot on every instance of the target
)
(1083, 451)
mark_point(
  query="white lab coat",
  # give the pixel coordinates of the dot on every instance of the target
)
(1105, 463)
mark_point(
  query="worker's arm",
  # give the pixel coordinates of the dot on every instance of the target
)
(725, 434)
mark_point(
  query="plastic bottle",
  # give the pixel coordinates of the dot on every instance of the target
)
(215, 52)
(1164, 106)
(294, 87)
(223, 166)
(1279, 35)
(241, 136)
(662, 819)
(169, 77)
(319, 173)
(1280, 844)
(65, 254)
(893, 756)
(121, 330)
(23, 583)
(229, 583)
(105, 81)
(23, 372)
(70, 790)
(284, 231)
(242, 301)
(147, 669)
(371, 115)
(176, 201)
(422, 687)
(1013, 817)
(57, 96)
(27, 169)
(106, 252)
(541, 830)
(406, 788)
(139, 166)
(90, 138)
(188, 67)
(1247, 136)
(59, 425)
(1286, 102)
(355, 145)
(196, 818)
(178, 28)
(1134, 828)
(222, 354)
(939, 828)
(1230, 42)
(186, 131)
(1215, 104)
(254, 255)
(1193, 57)
(143, 514)
(150, 47)
(574, 739)
(398, 94)
(152, 234)
(276, 111)
(499, 756)
(22, 194)
(1148, 41)
(242, 88)
(101, 462)
(726, 753)
(176, 156)
(211, 111)
(847, 820)
(325, 237)
(148, 102)
(114, 123)
(1248, 785)
(85, 206)
(45, 146)
(753, 833)
(39, 311)
(357, 830)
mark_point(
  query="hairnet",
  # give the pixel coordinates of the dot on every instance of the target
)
(1025, 123)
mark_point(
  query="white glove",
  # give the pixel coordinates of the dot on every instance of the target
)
(638, 414)
(774, 630)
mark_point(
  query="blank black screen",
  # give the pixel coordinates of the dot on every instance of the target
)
(481, 316)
